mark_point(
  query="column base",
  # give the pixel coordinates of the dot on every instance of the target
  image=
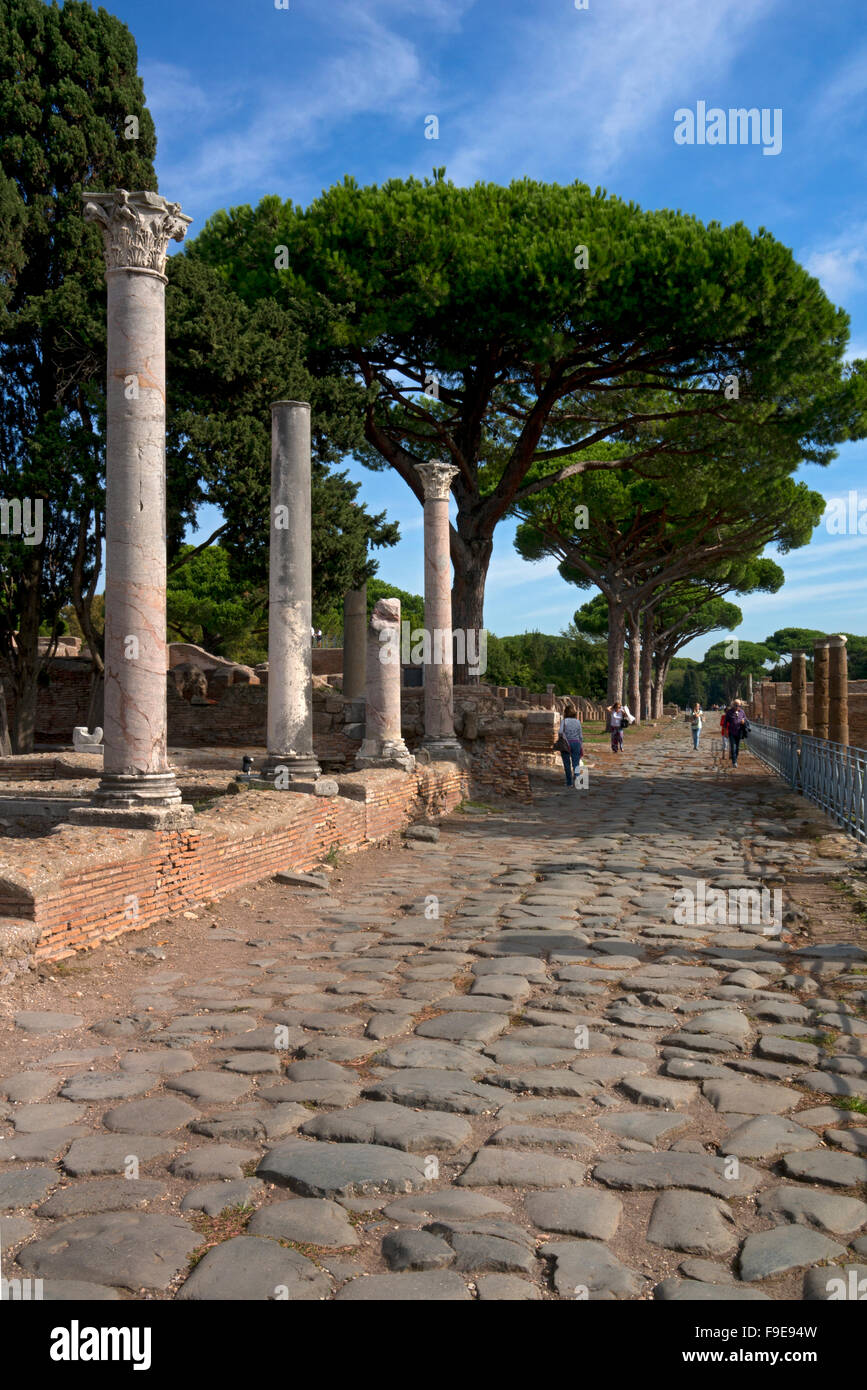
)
(443, 749)
(282, 769)
(384, 753)
(138, 801)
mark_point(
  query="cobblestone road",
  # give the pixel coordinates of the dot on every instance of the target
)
(550, 1055)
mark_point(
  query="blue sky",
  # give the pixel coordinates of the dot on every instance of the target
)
(250, 99)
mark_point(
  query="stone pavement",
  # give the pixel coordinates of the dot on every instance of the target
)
(523, 1063)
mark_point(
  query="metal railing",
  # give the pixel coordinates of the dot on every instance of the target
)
(832, 775)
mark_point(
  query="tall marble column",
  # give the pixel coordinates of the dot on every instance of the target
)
(838, 690)
(799, 691)
(354, 642)
(439, 721)
(290, 754)
(137, 787)
(383, 745)
(820, 688)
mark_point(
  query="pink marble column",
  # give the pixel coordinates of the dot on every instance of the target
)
(137, 787)
(838, 690)
(820, 688)
(383, 745)
(439, 722)
(799, 691)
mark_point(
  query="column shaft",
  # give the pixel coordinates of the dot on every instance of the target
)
(799, 691)
(820, 689)
(383, 745)
(137, 785)
(354, 642)
(290, 589)
(838, 690)
(439, 724)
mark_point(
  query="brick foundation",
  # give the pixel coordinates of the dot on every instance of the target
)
(773, 704)
(97, 885)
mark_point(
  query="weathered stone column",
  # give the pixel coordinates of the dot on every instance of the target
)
(838, 690)
(749, 687)
(820, 688)
(137, 787)
(799, 691)
(383, 745)
(354, 642)
(439, 722)
(290, 588)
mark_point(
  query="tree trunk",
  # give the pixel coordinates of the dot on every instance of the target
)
(471, 561)
(647, 664)
(634, 699)
(96, 704)
(616, 640)
(25, 666)
(659, 693)
(5, 742)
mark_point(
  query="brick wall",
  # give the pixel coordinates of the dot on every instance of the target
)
(235, 715)
(90, 892)
(773, 703)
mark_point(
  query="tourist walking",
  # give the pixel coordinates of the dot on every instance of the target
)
(736, 727)
(617, 718)
(696, 724)
(570, 742)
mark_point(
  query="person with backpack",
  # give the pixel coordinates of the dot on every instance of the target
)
(570, 742)
(696, 724)
(736, 728)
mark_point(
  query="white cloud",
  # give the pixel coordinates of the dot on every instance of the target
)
(593, 82)
(841, 265)
(844, 93)
(362, 67)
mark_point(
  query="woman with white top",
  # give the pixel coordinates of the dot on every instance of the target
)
(696, 723)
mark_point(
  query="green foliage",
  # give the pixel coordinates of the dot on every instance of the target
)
(207, 604)
(571, 663)
(539, 363)
(68, 81)
(227, 363)
(687, 682)
(728, 663)
(411, 605)
(330, 617)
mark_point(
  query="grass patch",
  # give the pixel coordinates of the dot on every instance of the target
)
(467, 808)
(331, 856)
(853, 1103)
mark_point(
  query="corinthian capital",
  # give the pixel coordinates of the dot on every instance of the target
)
(436, 478)
(136, 228)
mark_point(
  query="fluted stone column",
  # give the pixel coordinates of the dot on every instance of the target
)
(439, 722)
(354, 642)
(838, 690)
(137, 787)
(383, 745)
(799, 691)
(820, 688)
(290, 754)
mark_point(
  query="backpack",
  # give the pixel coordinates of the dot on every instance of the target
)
(736, 720)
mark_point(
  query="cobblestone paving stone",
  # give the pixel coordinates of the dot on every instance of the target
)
(506, 1069)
